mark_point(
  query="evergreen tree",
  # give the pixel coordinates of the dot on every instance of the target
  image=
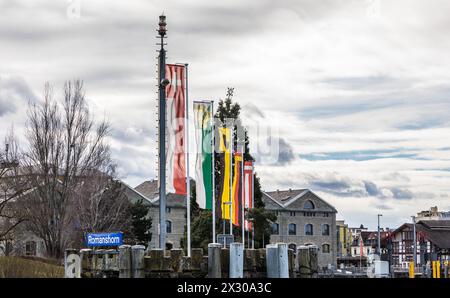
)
(140, 223)
(260, 217)
(201, 220)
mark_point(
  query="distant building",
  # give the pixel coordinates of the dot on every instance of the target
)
(344, 239)
(432, 242)
(303, 218)
(433, 214)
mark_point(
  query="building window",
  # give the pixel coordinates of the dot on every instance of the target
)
(168, 209)
(326, 214)
(308, 205)
(168, 227)
(325, 230)
(292, 213)
(292, 229)
(275, 229)
(326, 248)
(309, 229)
(30, 248)
(309, 214)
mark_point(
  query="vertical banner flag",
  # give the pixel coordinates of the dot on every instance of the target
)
(176, 114)
(237, 190)
(248, 188)
(225, 170)
(204, 151)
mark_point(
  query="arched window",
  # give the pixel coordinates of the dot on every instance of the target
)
(168, 227)
(309, 229)
(325, 248)
(292, 229)
(275, 229)
(325, 230)
(30, 248)
(308, 205)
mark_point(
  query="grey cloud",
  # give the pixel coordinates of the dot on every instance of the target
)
(14, 91)
(371, 188)
(132, 135)
(286, 152)
(383, 207)
(252, 110)
(401, 194)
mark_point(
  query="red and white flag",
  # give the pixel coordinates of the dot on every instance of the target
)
(176, 123)
(248, 190)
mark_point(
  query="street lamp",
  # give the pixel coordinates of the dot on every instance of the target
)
(379, 238)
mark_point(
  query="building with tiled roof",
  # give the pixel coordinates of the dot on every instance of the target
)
(303, 218)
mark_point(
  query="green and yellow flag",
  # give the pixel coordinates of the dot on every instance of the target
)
(204, 150)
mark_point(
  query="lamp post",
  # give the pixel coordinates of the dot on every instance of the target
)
(414, 241)
(379, 238)
(162, 83)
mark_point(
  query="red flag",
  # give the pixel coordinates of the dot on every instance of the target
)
(176, 116)
(237, 190)
(248, 190)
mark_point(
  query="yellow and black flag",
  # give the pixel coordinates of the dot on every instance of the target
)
(225, 171)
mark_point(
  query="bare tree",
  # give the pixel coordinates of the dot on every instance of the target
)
(65, 147)
(12, 187)
(102, 204)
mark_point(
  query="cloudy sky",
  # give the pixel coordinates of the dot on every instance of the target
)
(357, 90)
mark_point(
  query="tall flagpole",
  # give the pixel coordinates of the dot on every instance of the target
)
(242, 196)
(253, 203)
(231, 179)
(188, 180)
(162, 134)
(213, 141)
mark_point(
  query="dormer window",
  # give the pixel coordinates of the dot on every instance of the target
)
(308, 205)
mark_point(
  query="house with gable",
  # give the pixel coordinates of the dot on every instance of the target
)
(303, 218)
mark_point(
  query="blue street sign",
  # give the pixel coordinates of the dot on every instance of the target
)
(104, 239)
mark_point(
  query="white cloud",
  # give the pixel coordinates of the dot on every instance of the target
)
(338, 78)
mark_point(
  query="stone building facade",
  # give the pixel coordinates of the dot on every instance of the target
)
(303, 218)
(175, 214)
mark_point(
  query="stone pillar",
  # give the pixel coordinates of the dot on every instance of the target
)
(304, 271)
(214, 260)
(277, 260)
(124, 261)
(72, 264)
(313, 261)
(86, 260)
(137, 261)
(236, 260)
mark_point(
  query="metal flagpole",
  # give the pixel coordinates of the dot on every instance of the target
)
(188, 180)
(242, 196)
(162, 134)
(231, 179)
(213, 141)
(253, 204)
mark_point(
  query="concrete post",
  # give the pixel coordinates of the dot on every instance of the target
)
(303, 262)
(86, 258)
(236, 260)
(313, 260)
(214, 260)
(137, 261)
(277, 260)
(124, 261)
(72, 264)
